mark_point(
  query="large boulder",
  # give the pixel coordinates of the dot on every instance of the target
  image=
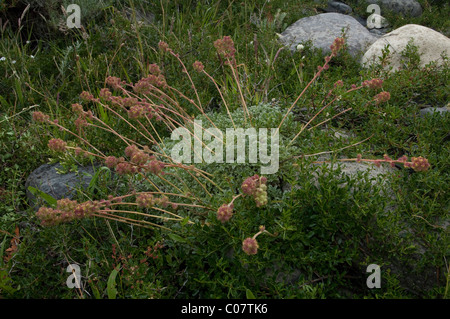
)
(404, 7)
(431, 46)
(323, 28)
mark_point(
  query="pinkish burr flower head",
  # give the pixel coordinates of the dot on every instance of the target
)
(382, 97)
(337, 45)
(40, 117)
(419, 164)
(57, 145)
(373, 84)
(163, 46)
(250, 246)
(225, 212)
(154, 69)
(198, 66)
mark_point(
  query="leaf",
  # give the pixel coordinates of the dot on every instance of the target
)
(184, 221)
(94, 290)
(38, 193)
(93, 182)
(249, 294)
(111, 287)
(4, 103)
(5, 282)
(177, 238)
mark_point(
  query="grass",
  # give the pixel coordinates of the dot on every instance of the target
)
(320, 238)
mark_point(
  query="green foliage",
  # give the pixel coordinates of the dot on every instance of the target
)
(325, 234)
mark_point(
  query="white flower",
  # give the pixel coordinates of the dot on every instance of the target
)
(13, 61)
(32, 56)
(2, 58)
(28, 42)
(300, 47)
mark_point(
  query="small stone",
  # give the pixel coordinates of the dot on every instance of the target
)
(404, 7)
(339, 7)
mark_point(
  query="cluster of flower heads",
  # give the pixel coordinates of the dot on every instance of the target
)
(256, 187)
(146, 85)
(57, 145)
(225, 48)
(250, 245)
(88, 97)
(418, 164)
(140, 160)
(67, 210)
(155, 79)
(81, 121)
(135, 108)
(382, 97)
(337, 45)
(115, 82)
(373, 84)
(148, 200)
(40, 117)
(163, 46)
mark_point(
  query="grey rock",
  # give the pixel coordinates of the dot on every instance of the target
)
(323, 28)
(352, 169)
(432, 110)
(46, 179)
(339, 7)
(379, 32)
(361, 20)
(432, 47)
(375, 175)
(404, 7)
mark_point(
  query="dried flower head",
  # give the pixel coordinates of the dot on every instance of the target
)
(114, 82)
(250, 246)
(86, 96)
(337, 45)
(198, 66)
(225, 48)
(225, 212)
(77, 108)
(419, 164)
(145, 200)
(40, 117)
(373, 84)
(57, 145)
(382, 97)
(256, 187)
(163, 46)
(111, 161)
(154, 69)
(105, 93)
